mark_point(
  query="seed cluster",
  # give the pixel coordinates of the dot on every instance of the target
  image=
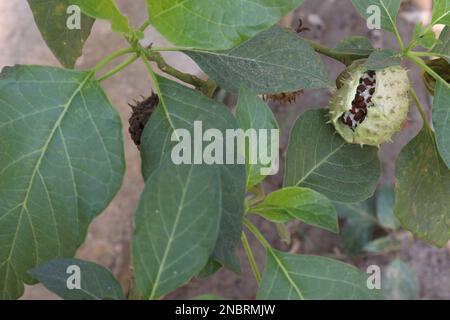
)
(362, 101)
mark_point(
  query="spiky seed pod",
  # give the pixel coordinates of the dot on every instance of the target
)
(370, 106)
(141, 112)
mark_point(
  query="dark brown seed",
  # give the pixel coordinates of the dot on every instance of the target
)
(372, 91)
(361, 88)
(360, 116)
(367, 82)
(359, 99)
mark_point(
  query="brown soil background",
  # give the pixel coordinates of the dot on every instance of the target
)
(109, 236)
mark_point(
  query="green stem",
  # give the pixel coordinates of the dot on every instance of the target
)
(270, 251)
(111, 57)
(420, 108)
(426, 68)
(258, 235)
(118, 68)
(341, 57)
(251, 258)
(157, 88)
(428, 54)
(185, 77)
(145, 25)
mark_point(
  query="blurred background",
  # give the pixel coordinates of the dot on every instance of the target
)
(369, 233)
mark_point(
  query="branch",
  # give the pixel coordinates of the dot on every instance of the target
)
(207, 87)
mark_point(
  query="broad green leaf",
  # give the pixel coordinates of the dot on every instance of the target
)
(318, 158)
(184, 106)
(177, 223)
(441, 12)
(303, 204)
(298, 277)
(385, 208)
(253, 114)
(441, 120)
(96, 282)
(359, 225)
(215, 24)
(381, 59)
(422, 196)
(61, 160)
(443, 47)
(400, 282)
(387, 8)
(106, 10)
(276, 60)
(66, 44)
(356, 47)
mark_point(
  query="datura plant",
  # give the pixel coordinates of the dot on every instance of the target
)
(62, 156)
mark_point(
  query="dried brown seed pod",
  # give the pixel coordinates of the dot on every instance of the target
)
(141, 112)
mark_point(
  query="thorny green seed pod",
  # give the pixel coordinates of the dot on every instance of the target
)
(370, 106)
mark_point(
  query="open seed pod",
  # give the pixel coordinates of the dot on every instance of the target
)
(370, 106)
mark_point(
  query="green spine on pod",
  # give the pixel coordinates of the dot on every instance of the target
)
(370, 106)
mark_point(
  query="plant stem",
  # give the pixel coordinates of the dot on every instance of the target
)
(111, 57)
(270, 251)
(428, 54)
(118, 68)
(426, 68)
(343, 58)
(157, 88)
(420, 108)
(251, 258)
(257, 234)
(204, 86)
(145, 25)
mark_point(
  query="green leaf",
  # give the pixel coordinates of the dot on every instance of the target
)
(276, 60)
(61, 154)
(295, 277)
(388, 9)
(441, 120)
(184, 106)
(443, 47)
(215, 24)
(425, 36)
(422, 202)
(385, 208)
(400, 282)
(441, 12)
(302, 204)
(96, 282)
(359, 227)
(356, 47)
(253, 114)
(177, 223)
(381, 59)
(318, 158)
(66, 44)
(106, 10)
